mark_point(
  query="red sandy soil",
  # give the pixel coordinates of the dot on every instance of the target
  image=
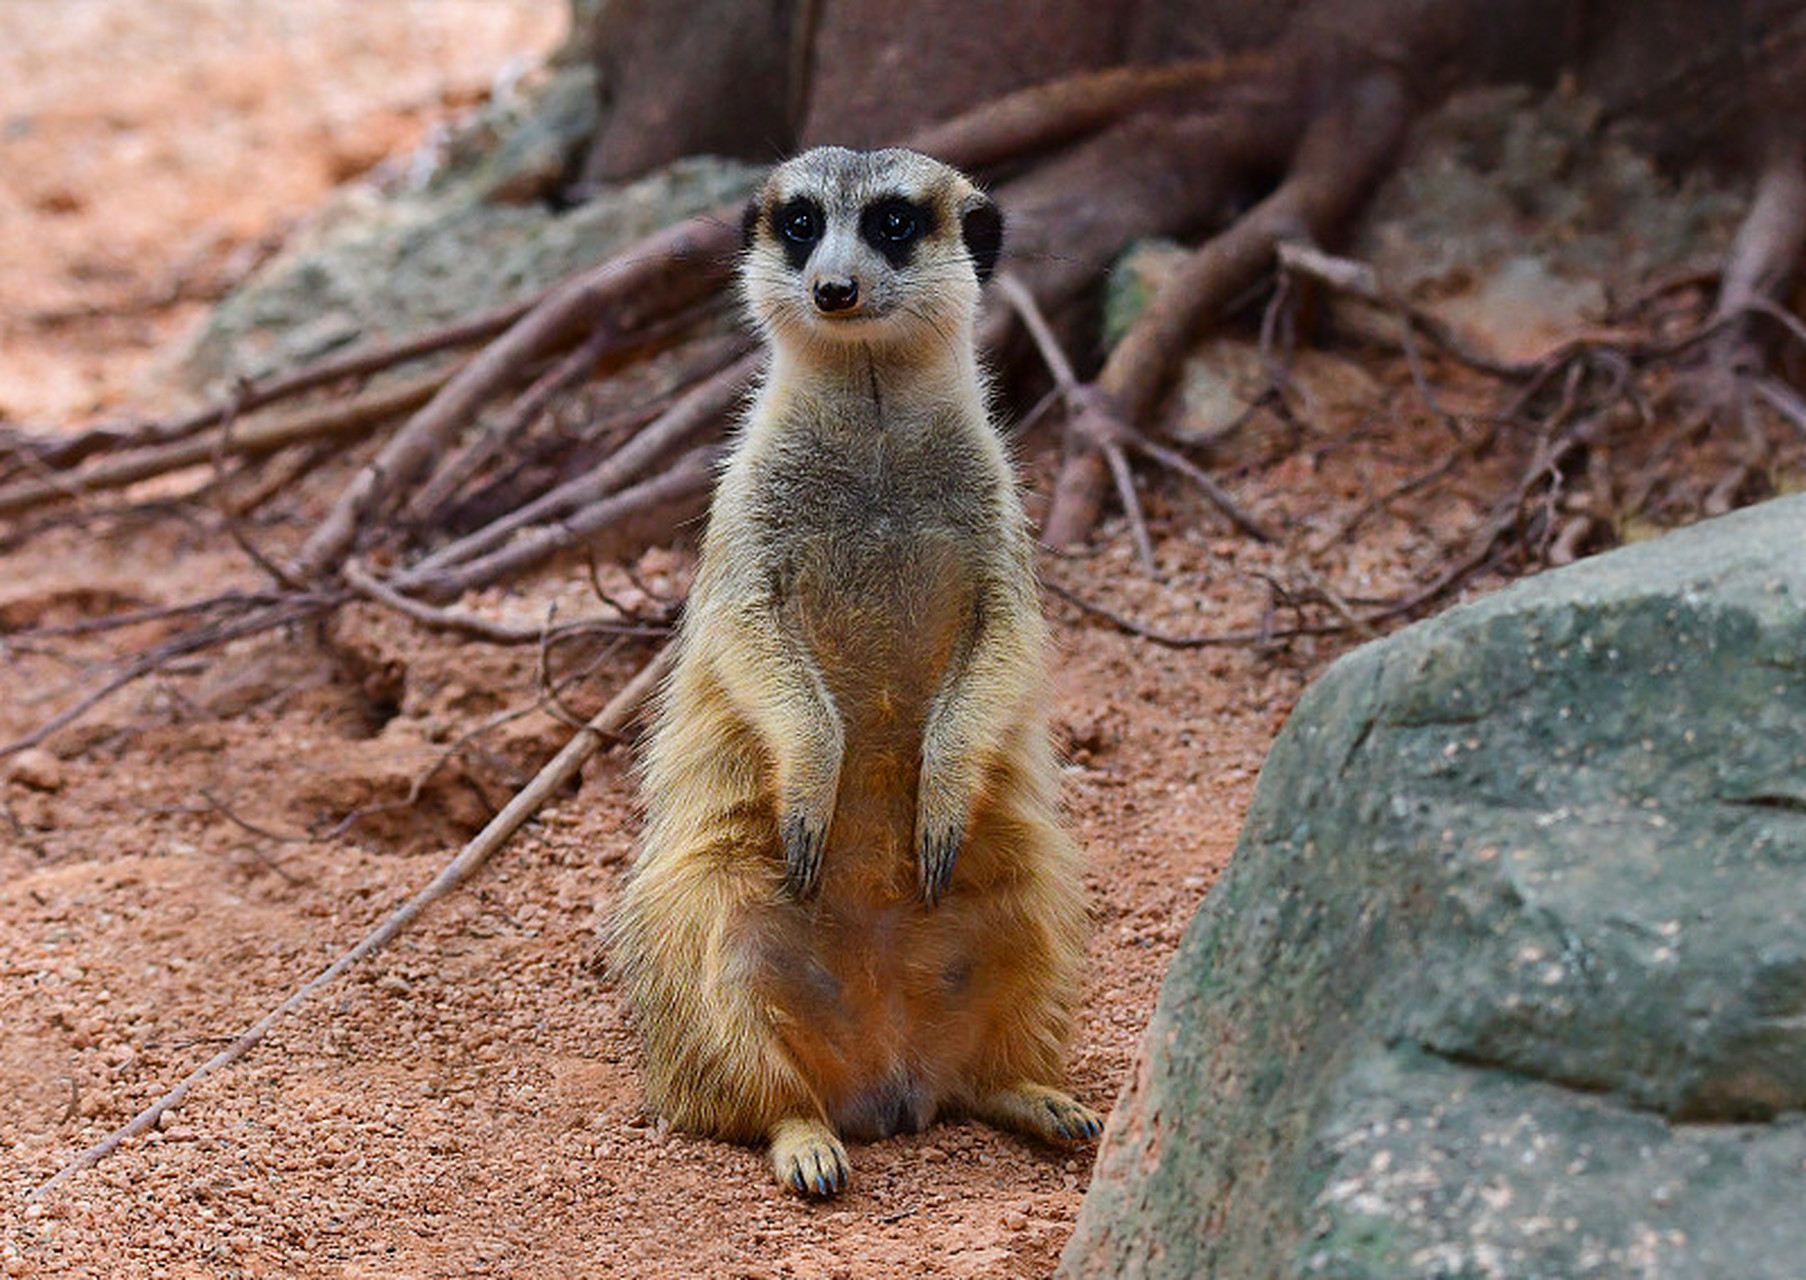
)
(468, 1102)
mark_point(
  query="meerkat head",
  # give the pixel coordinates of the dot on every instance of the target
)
(873, 247)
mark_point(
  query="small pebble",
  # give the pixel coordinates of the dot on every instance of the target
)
(36, 768)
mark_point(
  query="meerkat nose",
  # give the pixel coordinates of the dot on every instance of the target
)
(836, 295)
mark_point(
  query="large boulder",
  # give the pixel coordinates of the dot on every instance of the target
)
(1508, 974)
(489, 223)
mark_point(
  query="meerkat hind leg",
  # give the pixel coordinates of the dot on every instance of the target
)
(806, 1155)
(1040, 1112)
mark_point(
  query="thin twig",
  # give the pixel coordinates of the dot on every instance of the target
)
(292, 609)
(1227, 639)
(557, 772)
(64, 452)
(471, 625)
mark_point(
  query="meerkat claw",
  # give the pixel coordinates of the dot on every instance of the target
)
(807, 1157)
(1074, 1122)
(1041, 1112)
(935, 864)
(803, 842)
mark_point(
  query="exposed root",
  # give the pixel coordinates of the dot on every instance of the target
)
(657, 275)
(704, 405)
(1763, 257)
(62, 452)
(1032, 119)
(1112, 435)
(253, 439)
(1343, 151)
(689, 477)
(466, 462)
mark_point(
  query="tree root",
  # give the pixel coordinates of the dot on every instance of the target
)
(660, 274)
(1763, 256)
(704, 405)
(602, 729)
(1082, 401)
(62, 452)
(1019, 124)
(1343, 151)
(690, 476)
(258, 438)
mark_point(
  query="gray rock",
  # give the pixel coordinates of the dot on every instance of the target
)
(480, 232)
(1514, 215)
(1508, 974)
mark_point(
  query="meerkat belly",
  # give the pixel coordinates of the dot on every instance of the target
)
(870, 999)
(875, 1003)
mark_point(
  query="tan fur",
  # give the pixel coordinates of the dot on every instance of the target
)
(860, 691)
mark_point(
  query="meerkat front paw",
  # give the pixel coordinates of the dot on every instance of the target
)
(945, 792)
(808, 1158)
(804, 839)
(1041, 1112)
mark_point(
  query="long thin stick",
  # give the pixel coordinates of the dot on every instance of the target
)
(250, 439)
(602, 727)
(66, 451)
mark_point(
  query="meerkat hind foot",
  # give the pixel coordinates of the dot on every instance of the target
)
(807, 1156)
(1040, 1112)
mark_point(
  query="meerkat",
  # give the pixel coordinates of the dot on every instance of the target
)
(855, 908)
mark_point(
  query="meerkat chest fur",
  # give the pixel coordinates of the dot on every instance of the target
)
(869, 500)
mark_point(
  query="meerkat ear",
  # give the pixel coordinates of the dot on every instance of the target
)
(749, 223)
(981, 227)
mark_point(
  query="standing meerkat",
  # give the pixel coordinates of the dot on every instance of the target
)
(855, 908)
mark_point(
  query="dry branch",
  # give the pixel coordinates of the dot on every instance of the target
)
(250, 439)
(689, 476)
(602, 728)
(660, 272)
(701, 405)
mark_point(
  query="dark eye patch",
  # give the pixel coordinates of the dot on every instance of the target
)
(798, 224)
(892, 226)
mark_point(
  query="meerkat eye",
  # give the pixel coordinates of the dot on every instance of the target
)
(893, 225)
(896, 224)
(798, 222)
